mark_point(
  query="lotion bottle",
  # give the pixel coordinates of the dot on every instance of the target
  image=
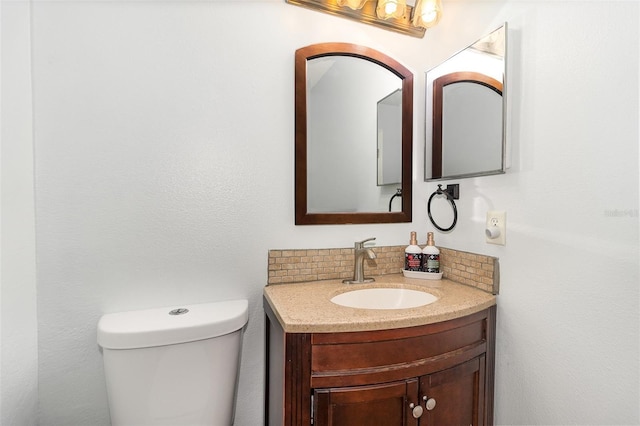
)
(413, 255)
(430, 256)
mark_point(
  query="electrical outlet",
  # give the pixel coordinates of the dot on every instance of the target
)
(496, 230)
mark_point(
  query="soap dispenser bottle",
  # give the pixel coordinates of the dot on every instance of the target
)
(413, 255)
(430, 256)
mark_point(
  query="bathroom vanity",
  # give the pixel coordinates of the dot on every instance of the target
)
(334, 365)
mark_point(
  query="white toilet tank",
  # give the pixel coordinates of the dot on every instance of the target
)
(174, 365)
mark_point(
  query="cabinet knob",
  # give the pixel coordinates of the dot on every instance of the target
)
(430, 403)
(416, 410)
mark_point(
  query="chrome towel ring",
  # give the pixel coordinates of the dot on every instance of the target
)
(452, 192)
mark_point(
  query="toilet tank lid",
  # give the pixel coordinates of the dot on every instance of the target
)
(157, 327)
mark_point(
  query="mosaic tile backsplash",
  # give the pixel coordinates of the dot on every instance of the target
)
(290, 266)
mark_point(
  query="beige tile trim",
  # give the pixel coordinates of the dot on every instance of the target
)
(289, 266)
(476, 270)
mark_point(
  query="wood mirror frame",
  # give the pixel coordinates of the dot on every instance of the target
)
(302, 55)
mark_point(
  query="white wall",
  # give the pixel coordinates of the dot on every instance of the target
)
(164, 168)
(568, 316)
(18, 351)
(164, 173)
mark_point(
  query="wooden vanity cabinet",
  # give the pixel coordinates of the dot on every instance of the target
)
(435, 374)
(381, 404)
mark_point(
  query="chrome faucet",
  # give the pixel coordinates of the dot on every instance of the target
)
(359, 253)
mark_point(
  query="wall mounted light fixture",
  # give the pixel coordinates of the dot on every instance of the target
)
(394, 15)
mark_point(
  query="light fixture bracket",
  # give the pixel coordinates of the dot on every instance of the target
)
(365, 15)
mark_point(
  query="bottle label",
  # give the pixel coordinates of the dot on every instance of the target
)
(412, 261)
(432, 263)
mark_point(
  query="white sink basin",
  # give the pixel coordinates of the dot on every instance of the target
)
(384, 298)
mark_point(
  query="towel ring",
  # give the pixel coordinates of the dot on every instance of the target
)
(452, 192)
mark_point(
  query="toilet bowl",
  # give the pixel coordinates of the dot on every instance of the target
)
(175, 365)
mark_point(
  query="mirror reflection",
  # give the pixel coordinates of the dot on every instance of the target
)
(353, 136)
(466, 112)
(390, 139)
(343, 100)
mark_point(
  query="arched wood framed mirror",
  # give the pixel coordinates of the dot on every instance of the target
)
(340, 142)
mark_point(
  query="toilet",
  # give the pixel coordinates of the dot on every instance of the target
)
(174, 365)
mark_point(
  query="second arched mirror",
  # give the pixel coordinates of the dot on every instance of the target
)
(353, 138)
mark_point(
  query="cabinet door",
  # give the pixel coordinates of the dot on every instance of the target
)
(386, 404)
(454, 397)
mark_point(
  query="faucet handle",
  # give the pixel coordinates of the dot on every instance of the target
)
(360, 244)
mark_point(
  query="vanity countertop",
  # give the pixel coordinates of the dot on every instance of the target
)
(307, 308)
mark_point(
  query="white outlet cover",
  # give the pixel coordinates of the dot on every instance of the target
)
(496, 220)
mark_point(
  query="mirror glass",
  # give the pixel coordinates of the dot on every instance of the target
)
(390, 139)
(466, 111)
(353, 136)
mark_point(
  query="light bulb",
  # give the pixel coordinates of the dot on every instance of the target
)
(427, 13)
(353, 4)
(391, 8)
(429, 16)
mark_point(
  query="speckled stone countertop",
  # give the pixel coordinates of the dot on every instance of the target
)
(307, 307)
